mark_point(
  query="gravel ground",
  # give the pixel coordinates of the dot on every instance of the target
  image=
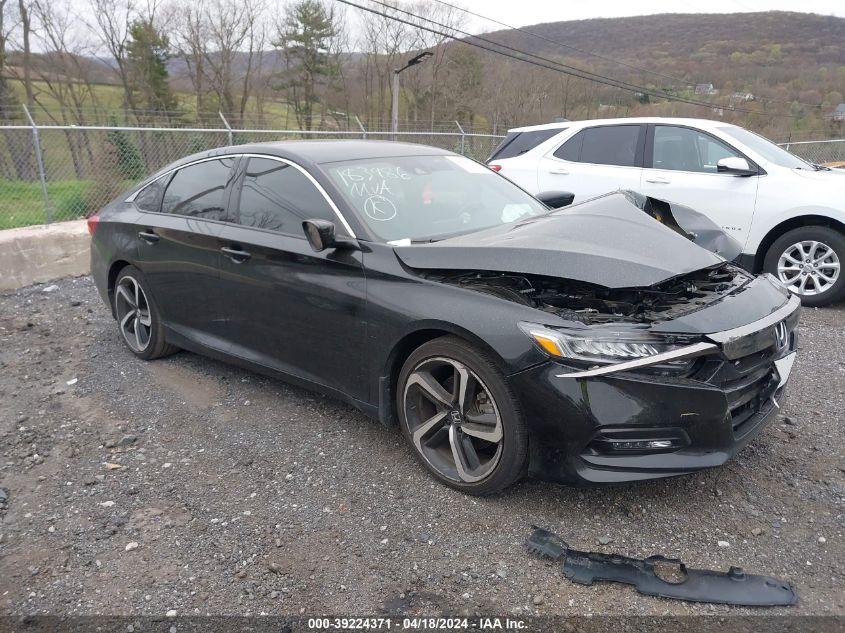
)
(186, 484)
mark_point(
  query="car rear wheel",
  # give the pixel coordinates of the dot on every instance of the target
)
(461, 418)
(808, 260)
(138, 316)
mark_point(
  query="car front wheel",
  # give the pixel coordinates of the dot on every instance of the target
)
(808, 261)
(461, 418)
(138, 317)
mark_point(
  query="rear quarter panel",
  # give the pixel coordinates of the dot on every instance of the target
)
(113, 240)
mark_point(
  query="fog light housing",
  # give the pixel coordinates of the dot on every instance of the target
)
(640, 445)
(638, 440)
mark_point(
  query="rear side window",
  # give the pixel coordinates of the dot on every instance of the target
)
(278, 197)
(199, 190)
(607, 145)
(517, 143)
(149, 198)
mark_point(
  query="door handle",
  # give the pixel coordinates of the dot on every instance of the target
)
(235, 254)
(149, 236)
(658, 180)
(559, 171)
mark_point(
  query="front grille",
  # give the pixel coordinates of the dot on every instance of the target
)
(749, 384)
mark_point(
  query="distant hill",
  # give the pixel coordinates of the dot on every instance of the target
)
(778, 63)
(688, 41)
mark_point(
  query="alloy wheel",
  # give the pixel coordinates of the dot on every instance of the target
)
(453, 420)
(133, 313)
(808, 267)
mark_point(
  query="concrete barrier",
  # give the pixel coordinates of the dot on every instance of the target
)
(33, 254)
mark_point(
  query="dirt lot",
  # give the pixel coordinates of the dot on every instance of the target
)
(236, 494)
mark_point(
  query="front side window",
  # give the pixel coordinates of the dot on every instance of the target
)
(685, 149)
(198, 190)
(605, 145)
(422, 198)
(277, 197)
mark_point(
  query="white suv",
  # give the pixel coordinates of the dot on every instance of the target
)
(789, 215)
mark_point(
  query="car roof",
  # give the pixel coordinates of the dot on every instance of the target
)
(562, 125)
(329, 151)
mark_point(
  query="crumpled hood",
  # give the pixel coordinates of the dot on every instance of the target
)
(608, 241)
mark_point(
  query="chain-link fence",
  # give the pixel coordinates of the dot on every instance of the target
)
(818, 152)
(52, 173)
(79, 169)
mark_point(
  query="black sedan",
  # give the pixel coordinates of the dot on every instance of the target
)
(603, 342)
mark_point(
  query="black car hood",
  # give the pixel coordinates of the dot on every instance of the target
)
(608, 241)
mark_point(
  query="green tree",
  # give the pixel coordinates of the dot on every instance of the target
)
(128, 158)
(305, 38)
(147, 53)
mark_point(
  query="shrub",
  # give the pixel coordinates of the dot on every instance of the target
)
(128, 157)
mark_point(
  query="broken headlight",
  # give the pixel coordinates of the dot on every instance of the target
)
(600, 345)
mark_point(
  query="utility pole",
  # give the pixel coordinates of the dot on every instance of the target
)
(394, 111)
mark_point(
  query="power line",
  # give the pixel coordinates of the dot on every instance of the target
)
(602, 57)
(584, 74)
(545, 62)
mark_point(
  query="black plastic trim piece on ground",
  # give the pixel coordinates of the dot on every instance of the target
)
(695, 585)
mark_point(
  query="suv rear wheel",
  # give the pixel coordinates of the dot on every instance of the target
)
(808, 260)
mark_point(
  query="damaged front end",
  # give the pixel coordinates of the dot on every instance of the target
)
(646, 382)
(661, 358)
(590, 304)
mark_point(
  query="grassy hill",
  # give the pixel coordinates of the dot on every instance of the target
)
(789, 62)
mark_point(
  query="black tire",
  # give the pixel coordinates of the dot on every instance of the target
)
(156, 346)
(831, 238)
(491, 391)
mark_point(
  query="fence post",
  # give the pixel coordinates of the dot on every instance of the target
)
(361, 125)
(228, 129)
(463, 137)
(42, 176)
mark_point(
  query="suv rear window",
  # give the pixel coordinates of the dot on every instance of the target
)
(606, 145)
(517, 143)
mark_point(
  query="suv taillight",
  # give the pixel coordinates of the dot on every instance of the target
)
(93, 221)
(495, 167)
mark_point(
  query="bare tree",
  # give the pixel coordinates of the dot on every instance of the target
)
(26, 31)
(234, 52)
(64, 75)
(385, 42)
(190, 34)
(445, 18)
(18, 142)
(112, 22)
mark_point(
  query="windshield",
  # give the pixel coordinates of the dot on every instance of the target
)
(766, 148)
(420, 198)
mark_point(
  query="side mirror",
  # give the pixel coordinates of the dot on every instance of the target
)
(555, 199)
(321, 235)
(736, 166)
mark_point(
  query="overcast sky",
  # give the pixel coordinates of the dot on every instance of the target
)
(525, 12)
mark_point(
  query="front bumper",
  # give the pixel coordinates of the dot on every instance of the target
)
(631, 425)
